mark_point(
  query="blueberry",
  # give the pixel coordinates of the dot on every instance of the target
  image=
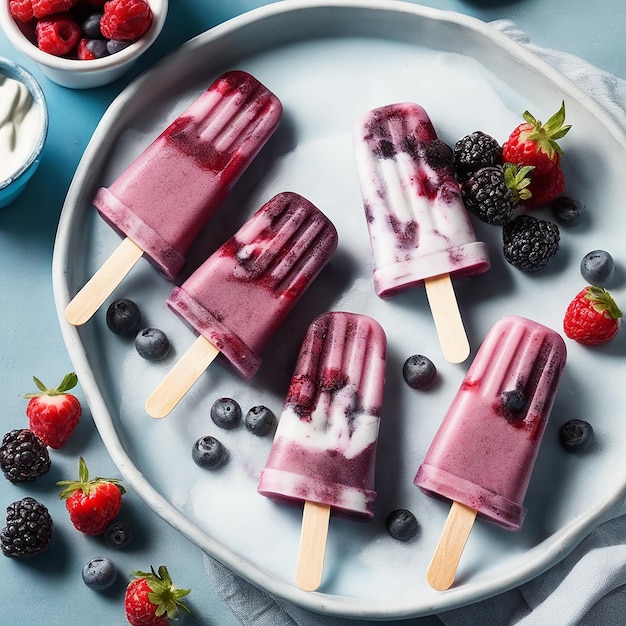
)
(226, 413)
(91, 26)
(99, 573)
(259, 420)
(597, 267)
(567, 211)
(123, 317)
(514, 401)
(208, 452)
(114, 45)
(152, 344)
(401, 525)
(419, 372)
(438, 154)
(98, 48)
(576, 435)
(118, 534)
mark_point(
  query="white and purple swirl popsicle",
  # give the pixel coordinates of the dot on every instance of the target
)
(324, 450)
(419, 228)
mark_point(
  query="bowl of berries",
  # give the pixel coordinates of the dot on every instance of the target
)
(83, 43)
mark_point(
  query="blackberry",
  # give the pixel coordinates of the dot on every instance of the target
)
(529, 243)
(23, 456)
(437, 153)
(28, 529)
(473, 152)
(486, 195)
(493, 192)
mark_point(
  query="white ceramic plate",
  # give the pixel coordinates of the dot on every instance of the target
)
(329, 62)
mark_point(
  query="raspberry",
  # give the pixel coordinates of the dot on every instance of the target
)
(592, 317)
(43, 8)
(21, 9)
(57, 34)
(125, 20)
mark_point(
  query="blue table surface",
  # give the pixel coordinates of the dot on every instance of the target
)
(49, 590)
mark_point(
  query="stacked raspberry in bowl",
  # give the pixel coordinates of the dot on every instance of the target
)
(86, 29)
(83, 43)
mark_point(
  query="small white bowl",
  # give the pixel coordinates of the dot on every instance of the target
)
(14, 184)
(75, 73)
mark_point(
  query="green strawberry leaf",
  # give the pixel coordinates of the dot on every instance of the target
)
(164, 595)
(603, 302)
(69, 382)
(517, 180)
(546, 135)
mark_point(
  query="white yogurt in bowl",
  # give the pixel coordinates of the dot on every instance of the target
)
(23, 129)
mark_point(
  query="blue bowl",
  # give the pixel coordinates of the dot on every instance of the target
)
(11, 187)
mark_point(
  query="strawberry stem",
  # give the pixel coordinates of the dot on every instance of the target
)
(517, 180)
(603, 302)
(83, 483)
(546, 135)
(69, 382)
(165, 595)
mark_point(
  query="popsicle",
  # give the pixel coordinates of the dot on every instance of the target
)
(238, 298)
(419, 229)
(163, 199)
(483, 454)
(324, 449)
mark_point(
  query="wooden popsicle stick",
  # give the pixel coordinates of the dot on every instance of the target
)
(181, 377)
(100, 286)
(454, 536)
(312, 548)
(447, 317)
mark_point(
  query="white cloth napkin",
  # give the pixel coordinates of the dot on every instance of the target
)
(587, 588)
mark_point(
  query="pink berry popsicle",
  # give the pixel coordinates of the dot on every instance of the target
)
(163, 199)
(237, 299)
(419, 229)
(483, 454)
(323, 455)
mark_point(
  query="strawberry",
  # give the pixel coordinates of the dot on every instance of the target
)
(152, 600)
(53, 413)
(592, 317)
(92, 504)
(535, 144)
(544, 187)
